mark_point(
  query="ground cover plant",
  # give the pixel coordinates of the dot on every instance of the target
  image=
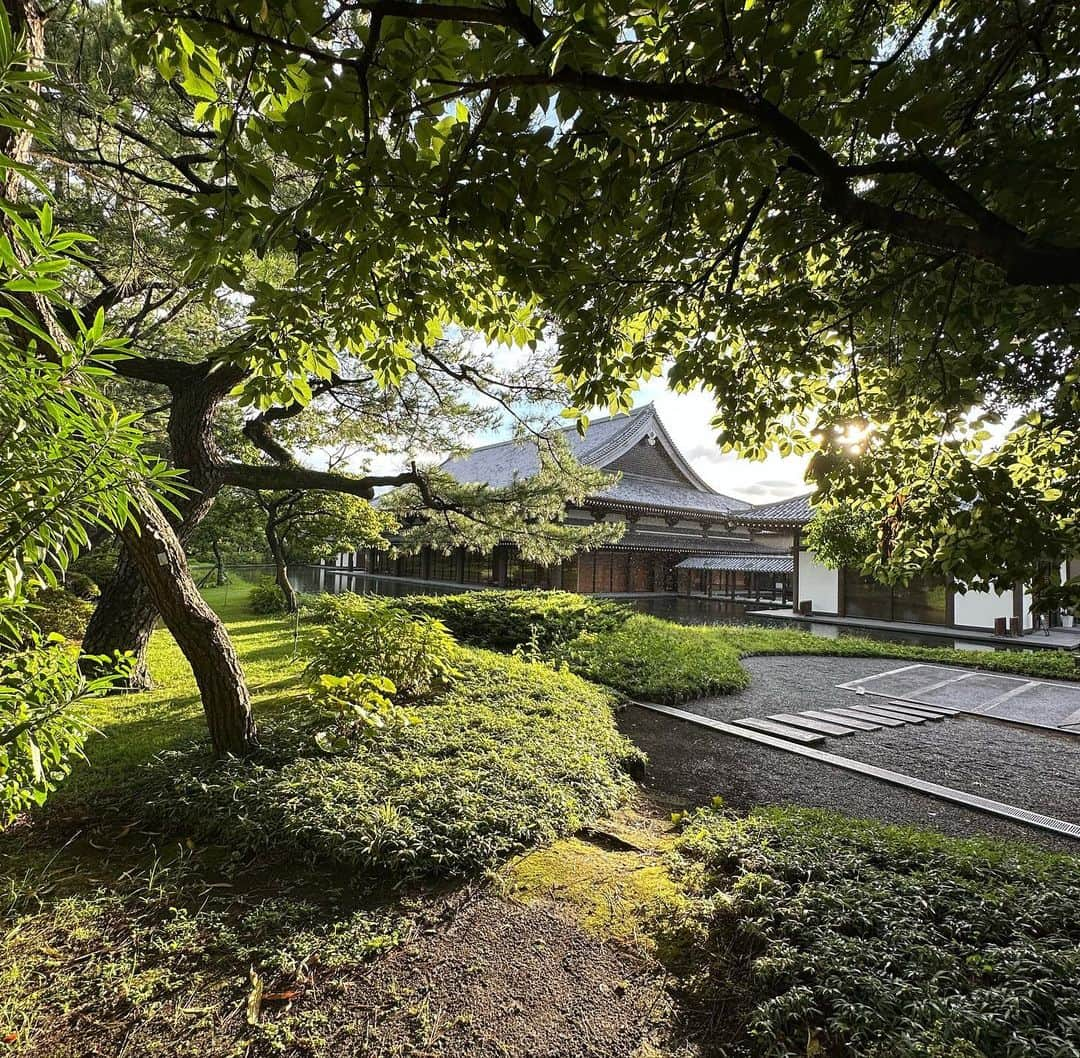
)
(811, 933)
(511, 754)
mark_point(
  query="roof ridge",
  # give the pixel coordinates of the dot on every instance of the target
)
(558, 429)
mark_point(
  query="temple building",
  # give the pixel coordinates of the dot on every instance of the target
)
(681, 535)
(683, 538)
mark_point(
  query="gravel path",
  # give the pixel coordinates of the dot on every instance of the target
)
(690, 765)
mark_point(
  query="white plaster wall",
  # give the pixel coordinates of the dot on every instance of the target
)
(977, 609)
(818, 584)
(1027, 619)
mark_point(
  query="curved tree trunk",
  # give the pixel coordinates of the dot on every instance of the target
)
(281, 568)
(156, 552)
(126, 613)
(123, 619)
(220, 576)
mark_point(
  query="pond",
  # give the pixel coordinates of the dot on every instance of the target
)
(688, 611)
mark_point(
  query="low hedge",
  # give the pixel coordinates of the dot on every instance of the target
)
(811, 933)
(657, 660)
(59, 611)
(511, 755)
(503, 620)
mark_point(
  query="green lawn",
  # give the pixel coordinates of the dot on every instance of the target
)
(133, 728)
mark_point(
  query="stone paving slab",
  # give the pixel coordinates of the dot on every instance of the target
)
(835, 716)
(770, 727)
(823, 727)
(1052, 704)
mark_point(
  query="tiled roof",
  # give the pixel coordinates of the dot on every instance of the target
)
(604, 441)
(795, 511)
(688, 543)
(669, 495)
(741, 563)
(502, 463)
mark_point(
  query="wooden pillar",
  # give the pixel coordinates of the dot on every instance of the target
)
(796, 547)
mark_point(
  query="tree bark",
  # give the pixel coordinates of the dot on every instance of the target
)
(123, 620)
(219, 565)
(281, 568)
(156, 551)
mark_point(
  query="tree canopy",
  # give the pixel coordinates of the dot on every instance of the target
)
(844, 218)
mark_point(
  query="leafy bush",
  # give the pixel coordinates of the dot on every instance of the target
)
(810, 933)
(503, 620)
(41, 726)
(80, 585)
(511, 755)
(657, 660)
(58, 612)
(370, 636)
(361, 708)
(266, 597)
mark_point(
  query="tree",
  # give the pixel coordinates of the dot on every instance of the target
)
(309, 526)
(128, 151)
(233, 524)
(834, 215)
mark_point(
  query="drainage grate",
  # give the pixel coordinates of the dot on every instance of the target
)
(895, 778)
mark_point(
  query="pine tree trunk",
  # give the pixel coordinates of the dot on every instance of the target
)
(124, 619)
(156, 551)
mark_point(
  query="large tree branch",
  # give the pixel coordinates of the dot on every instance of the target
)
(1022, 259)
(289, 478)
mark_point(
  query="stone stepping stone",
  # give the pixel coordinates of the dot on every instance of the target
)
(905, 712)
(877, 719)
(922, 707)
(824, 727)
(771, 727)
(874, 711)
(834, 716)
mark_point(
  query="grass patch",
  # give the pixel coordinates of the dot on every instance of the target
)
(810, 933)
(131, 729)
(163, 961)
(661, 661)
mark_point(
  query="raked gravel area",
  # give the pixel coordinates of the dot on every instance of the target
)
(690, 764)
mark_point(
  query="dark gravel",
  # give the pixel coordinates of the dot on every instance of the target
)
(690, 765)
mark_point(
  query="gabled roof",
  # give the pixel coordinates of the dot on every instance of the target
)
(605, 441)
(791, 512)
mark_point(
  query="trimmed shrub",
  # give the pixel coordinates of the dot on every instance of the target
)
(81, 586)
(811, 933)
(502, 620)
(58, 612)
(266, 597)
(657, 661)
(370, 636)
(510, 756)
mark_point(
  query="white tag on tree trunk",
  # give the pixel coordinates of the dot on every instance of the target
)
(163, 559)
